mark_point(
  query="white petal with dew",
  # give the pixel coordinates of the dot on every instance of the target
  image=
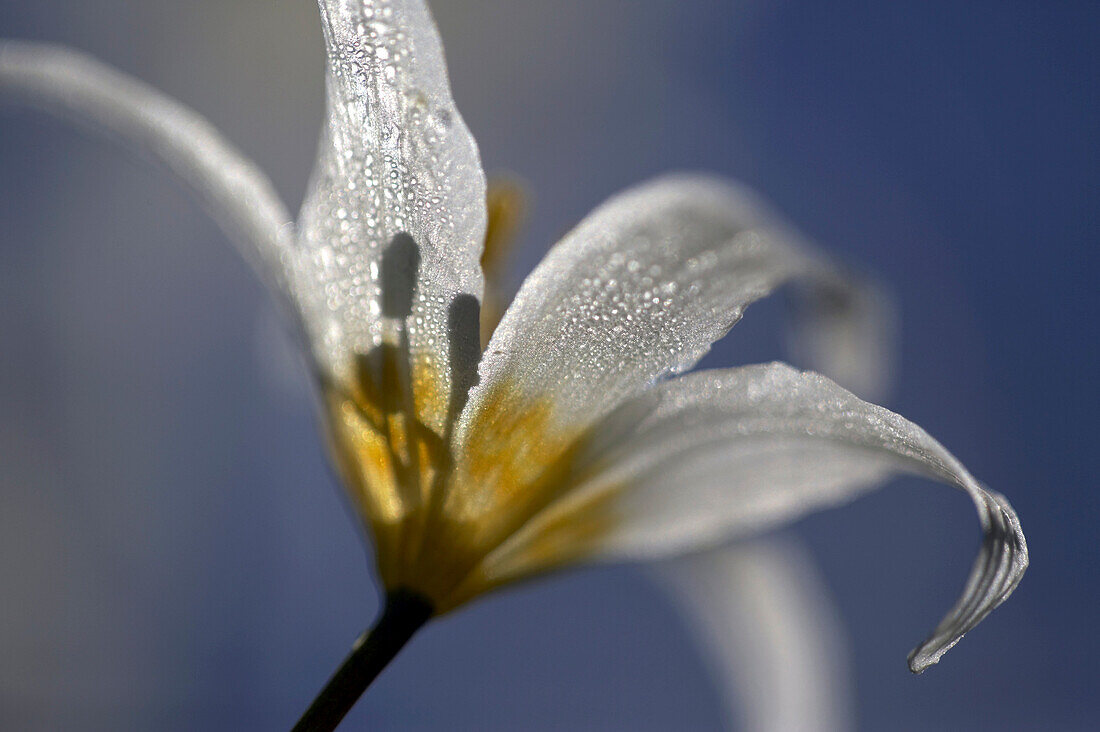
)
(396, 164)
(719, 454)
(765, 622)
(640, 289)
(234, 189)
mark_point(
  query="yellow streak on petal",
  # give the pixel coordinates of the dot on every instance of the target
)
(518, 459)
(515, 459)
(560, 536)
(454, 526)
(516, 454)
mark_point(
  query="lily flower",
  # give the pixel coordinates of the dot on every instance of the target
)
(571, 435)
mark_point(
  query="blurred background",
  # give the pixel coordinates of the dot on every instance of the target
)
(174, 551)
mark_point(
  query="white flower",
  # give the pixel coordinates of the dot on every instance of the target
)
(570, 437)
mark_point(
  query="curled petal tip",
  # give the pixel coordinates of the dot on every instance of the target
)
(728, 453)
(999, 567)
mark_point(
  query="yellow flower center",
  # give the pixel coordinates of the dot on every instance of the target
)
(437, 516)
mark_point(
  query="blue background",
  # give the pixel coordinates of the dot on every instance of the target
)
(174, 552)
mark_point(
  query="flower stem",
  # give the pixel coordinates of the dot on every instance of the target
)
(404, 614)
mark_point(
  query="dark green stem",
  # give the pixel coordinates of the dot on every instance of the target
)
(404, 614)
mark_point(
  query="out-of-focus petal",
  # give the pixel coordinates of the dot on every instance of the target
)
(719, 454)
(234, 189)
(394, 220)
(638, 290)
(845, 328)
(507, 208)
(765, 622)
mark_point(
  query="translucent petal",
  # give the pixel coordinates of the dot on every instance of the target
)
(236, 192)
(765, 622)
(638, 290)
(726, 453)
(398, 174)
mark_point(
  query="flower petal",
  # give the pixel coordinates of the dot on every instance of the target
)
(397, 170)
(845, 328)
(507, 209)
(233, 188)
(725, 453)
(762, 615)
(638, 290)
